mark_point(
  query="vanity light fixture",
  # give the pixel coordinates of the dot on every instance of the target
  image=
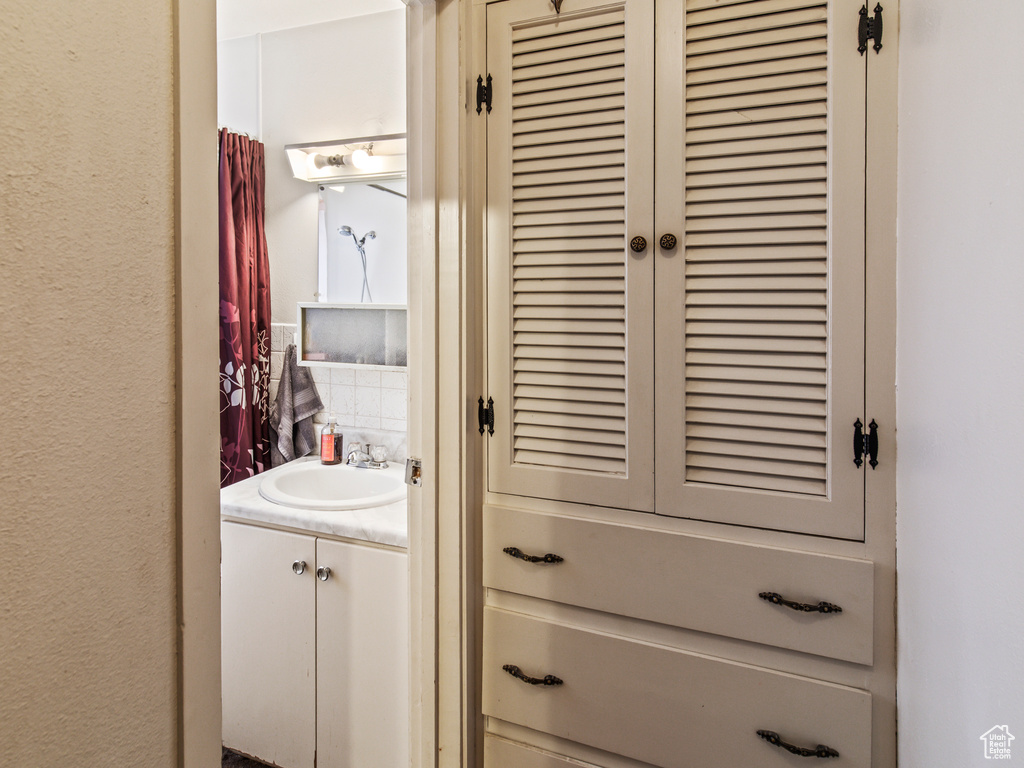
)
(361, 159)
(367, 158)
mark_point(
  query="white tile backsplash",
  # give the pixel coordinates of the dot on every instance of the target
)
(368, 401)
(394, 425)
(392, 403)
(342, 400)
(343, 376)
(321, 376)
(367, 378)
(371, 406)
(367, 422)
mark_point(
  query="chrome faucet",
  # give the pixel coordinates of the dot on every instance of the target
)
(357, 457)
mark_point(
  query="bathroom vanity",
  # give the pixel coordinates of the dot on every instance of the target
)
(314, 630)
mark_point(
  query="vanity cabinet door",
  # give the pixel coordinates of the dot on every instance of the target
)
(362, 642)
(268, 623)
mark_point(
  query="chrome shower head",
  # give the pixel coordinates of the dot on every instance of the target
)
(346, 230)
(371, 234)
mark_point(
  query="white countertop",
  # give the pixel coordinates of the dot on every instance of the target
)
(387, 525)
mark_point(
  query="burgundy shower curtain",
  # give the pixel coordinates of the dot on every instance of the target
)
(244, 312)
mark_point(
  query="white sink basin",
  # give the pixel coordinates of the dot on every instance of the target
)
(312, 485)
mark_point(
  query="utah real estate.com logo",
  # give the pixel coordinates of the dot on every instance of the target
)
(997, 742)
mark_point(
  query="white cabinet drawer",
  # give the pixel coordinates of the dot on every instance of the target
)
(661, 705)
(709, 585)
(500, 753)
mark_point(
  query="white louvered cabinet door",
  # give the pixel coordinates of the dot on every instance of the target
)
(570, 183)
(761, 366)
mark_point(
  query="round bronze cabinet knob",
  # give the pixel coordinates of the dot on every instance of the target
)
(638, 244)
(668, 242)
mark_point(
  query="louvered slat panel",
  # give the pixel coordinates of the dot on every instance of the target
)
(761, 253)
(756, 107)
(574, 461)
(728, 403)
(572, 149)
(554, 352)
(562, 272)
(707, 11)
(597, 61)
(795, 127)
(582, 203)
(573, 80)
(766, 114)
(722, 341)
(786, 359)
(763, 267)
(548, 410)
(581, 244)
(568, 136)
(552, 434)
(704, 28)
(579, 51)
(770, 421)
(568, 108)
(801, 377)
(558, 40)
(549, 365)
(765, 145)
(575, 258)
(572, 162)
(699, 77)
(571, 313)
(561, 94)
(567, 325)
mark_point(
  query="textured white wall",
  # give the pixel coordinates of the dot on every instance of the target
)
(961, 379)
(87, 480)
(327, 81)
(238, 75)
(320, 82)
(238, 18)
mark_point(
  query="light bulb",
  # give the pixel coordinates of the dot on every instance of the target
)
(364, 161)
(313, 165)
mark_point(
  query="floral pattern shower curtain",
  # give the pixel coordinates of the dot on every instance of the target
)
(244, 311)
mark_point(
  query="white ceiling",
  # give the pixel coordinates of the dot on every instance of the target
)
(241, 18)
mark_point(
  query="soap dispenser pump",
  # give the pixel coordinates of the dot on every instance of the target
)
(330, 442)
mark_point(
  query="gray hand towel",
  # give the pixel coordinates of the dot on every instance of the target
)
(291, 416)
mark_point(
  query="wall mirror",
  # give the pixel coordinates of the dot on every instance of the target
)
(361, 254)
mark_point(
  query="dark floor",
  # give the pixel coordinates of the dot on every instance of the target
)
(231, 759)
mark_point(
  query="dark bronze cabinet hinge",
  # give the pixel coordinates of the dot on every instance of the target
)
(870, 29)
(483, 93)
(865, 444)
(485, 415)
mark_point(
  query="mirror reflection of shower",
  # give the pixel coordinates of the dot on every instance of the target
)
(360, 242)
(348, 213)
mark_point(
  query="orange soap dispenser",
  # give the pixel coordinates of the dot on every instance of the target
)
(330, 442)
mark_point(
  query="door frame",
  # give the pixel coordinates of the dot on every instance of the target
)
(441, 733)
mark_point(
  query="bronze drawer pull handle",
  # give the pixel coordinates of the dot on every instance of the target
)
(517, 552)
(516, 672)
(776, 599)
(820, 751)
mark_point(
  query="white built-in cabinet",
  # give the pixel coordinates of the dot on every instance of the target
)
(314, 649)
(676, 552)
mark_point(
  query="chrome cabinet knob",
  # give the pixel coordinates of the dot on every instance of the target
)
(299, 566)
(323, 573)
